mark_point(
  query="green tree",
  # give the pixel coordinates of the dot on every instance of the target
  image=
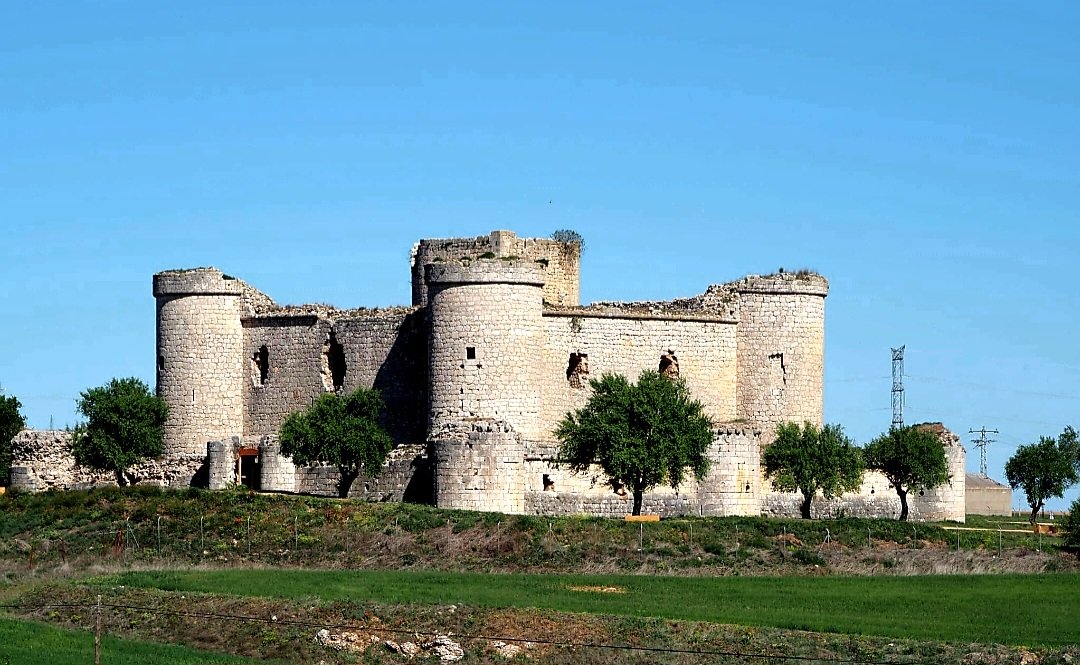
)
(124, 425)
(911, 458)
(641, 435)
(569, 237)
(339, 431)
(1070, 526)
(11, 423)
(1045, 469)
(811, 460)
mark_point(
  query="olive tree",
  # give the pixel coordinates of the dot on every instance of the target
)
(341, 431)
(809, 460)
(11, 423)
(1045, 469)
(910, 458)
(124, 425)
(641, 435)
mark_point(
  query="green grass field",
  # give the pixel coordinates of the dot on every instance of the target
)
(30, 642)
(1008, 609)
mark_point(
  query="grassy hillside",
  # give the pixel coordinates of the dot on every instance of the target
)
(113, 526)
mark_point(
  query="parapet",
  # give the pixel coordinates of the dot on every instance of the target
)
(560, 258)
(801, 282)
(485, 271)
(197, 281)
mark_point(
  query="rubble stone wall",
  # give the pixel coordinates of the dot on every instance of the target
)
(42, 460)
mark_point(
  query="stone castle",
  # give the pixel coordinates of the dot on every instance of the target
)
(494, 350)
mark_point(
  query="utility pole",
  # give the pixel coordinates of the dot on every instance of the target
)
(981, 444)
(898, 387)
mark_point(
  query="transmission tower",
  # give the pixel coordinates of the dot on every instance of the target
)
(898, 387)
(981, 444)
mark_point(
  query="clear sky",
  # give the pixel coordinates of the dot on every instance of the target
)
(924, 156)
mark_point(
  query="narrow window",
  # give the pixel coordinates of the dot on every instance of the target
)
(470, 353)
(549, 484)
(161, 363)
(577, 370)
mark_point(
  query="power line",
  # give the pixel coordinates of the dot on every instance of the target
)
(981, 444)
(464, 636)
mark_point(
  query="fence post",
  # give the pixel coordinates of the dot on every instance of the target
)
(247, 536)
(97, 631)
(202, 534)
(869, 545)
(159, 535)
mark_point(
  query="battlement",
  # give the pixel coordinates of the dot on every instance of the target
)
(196, 281)
(485, 271)
(802, 282)
(560, 261)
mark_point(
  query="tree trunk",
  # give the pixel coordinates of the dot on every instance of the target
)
(902, 493)
(804, 506)
(121, 478)
(346, 481)
(1035, 512)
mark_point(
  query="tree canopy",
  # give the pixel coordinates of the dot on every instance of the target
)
(341, 431)
(1045, 469)
(641, 435)
(124, 425)
(11, 423)
(809, 460)
(911, 458)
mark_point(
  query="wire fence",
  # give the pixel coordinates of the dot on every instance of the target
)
(306, 537)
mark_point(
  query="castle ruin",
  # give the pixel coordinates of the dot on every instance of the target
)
(494, 350)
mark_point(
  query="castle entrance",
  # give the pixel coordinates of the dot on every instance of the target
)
(248, 468)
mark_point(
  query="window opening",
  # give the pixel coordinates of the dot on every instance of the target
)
(470, 353)
(260, 366)
(549, 484)
(669, 365)
(334, 366)
(577, 370)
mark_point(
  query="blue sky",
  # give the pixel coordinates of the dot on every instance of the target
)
(924, 156)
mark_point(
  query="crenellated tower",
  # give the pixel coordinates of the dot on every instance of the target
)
(200, 357)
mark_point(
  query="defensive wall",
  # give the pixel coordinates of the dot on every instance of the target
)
(477, 372)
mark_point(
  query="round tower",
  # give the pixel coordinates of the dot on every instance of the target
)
(200, 353)
(486, 336)
(781, 349)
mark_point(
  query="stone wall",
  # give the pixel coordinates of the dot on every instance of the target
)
(877, 498)
(781, 342)
(43, 461)
(200, 346)
(561, 261)
(731, 486)
(294, 357)
(479, 466)
(405, 476)
(583, 345)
